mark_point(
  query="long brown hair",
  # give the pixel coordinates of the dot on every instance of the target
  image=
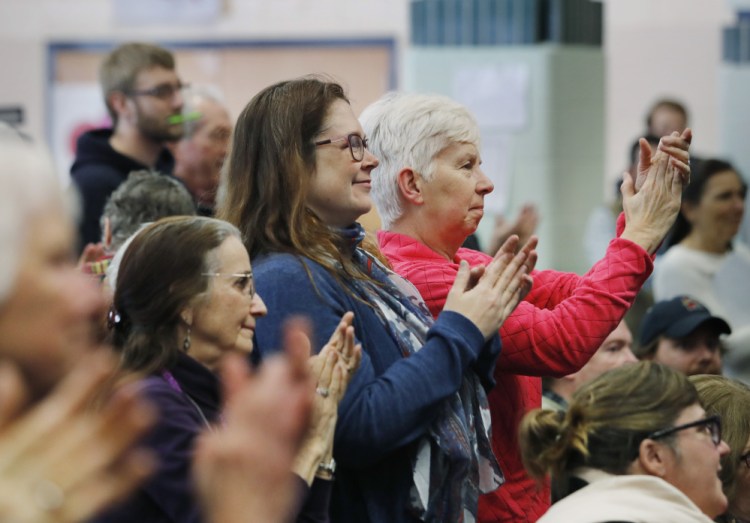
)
(267, 174)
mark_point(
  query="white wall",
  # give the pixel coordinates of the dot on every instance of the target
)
(656, 48)
(26, 26)
(653, 48)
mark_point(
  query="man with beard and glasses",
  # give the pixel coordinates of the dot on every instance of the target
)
(143, 95)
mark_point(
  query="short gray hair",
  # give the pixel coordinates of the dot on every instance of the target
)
(409, 130)
(144, 197)
(29, 185)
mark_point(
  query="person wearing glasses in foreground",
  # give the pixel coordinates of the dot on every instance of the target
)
(730, 399)
(143, 95)
(412, 442)
(429, 191)
(175, 316)
(635, 445)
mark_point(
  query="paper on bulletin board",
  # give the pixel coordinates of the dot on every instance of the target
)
(495, 155)
(77, 108)
(497, 95)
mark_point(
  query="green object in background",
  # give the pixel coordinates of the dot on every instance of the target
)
(182, 118)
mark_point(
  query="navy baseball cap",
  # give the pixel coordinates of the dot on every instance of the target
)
(677, 318)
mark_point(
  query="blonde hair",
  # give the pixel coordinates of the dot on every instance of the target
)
(121, 67)
(729, 399)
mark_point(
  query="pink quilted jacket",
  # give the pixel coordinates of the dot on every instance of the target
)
(553, 332)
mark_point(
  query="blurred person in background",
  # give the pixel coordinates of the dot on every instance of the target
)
(143, 95)
(730, 399)
(681, 333)
(704, 261)
(615, 351)
(200, 153)
(144, 197)
(59, 462)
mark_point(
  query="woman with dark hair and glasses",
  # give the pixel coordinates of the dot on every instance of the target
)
(730, 399)
(705, 262)
(185, 298)
(413, 439)
(635, 445)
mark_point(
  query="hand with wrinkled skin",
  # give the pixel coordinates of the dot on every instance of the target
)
(675, 145)
(332, 368)
(242, 469)
(524, 227)
(83, 459)
(489, 299)
(652, 201)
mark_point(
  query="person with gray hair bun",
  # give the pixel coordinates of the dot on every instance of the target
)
(429, 190)
(635, 445)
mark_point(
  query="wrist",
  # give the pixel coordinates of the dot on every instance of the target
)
(649, 242)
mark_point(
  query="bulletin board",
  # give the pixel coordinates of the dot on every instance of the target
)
(239, 69)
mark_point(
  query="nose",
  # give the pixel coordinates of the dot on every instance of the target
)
(723, 448)
(739, 204)
(484, 185)
(178, 99)
(629, 357)
(369, 160)
(706, 352)
(257, 306)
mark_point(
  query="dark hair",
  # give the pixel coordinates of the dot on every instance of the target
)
(606, 422)
(268, 171)
(144, 197)
(154, 288)
(666, 103)
(693, 193)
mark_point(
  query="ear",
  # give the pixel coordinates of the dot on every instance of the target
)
(119, 102)
(187, 316)
(410, 185)
(654, 458)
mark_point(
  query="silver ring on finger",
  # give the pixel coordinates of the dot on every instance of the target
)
(323, 391)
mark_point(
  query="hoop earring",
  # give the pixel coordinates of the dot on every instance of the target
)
(186, 342)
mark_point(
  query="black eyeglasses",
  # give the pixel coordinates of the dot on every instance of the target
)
(161, 91)
(357, 145)
(746, 458)
(712, 423)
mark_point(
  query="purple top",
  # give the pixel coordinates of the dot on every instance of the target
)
(187, 397)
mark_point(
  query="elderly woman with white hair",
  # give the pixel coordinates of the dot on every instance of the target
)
(429, 190)
(58, 461)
